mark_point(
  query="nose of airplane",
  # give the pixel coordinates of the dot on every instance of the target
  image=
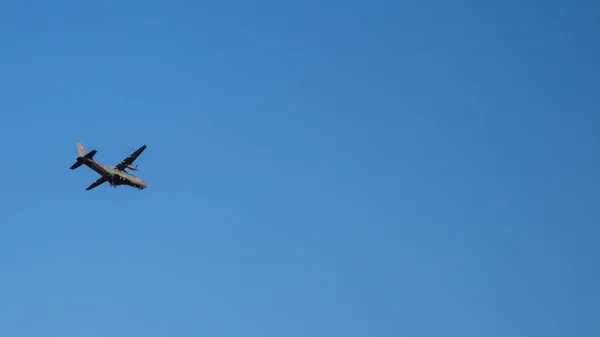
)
(143, 183)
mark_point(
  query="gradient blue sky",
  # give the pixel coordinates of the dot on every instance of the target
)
(315, 168)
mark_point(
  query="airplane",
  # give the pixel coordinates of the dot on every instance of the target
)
(115, 175)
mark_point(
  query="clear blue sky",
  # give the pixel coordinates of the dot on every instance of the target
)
(314, 168)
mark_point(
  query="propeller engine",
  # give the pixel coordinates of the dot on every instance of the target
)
(131, 167)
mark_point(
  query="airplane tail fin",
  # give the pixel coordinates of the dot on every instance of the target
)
(82, 154)
(80, 149)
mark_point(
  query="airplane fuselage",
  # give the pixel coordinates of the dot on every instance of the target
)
(114, 176)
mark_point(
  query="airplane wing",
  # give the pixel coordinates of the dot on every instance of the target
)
(129, 160)
(96, 183)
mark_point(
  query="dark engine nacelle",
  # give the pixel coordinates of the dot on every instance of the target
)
(131, 167)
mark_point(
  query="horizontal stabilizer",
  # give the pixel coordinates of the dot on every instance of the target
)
(80, 159)
(76, 165)
(91, 154)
